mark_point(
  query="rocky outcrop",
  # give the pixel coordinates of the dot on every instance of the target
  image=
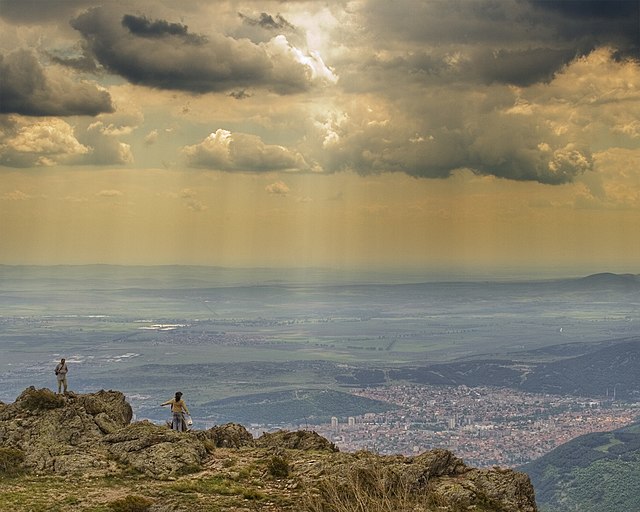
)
(436, 480)
(62, 433)
(300, 440)
(156, 451)
(230, 435)
(92, 435)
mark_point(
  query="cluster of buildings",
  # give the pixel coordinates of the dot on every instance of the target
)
(483, 425)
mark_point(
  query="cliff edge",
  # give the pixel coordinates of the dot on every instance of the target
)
(81, 452)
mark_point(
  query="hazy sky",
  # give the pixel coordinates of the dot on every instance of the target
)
(464, 133)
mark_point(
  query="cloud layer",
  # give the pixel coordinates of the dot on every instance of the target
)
(166, 55)
(525, 90)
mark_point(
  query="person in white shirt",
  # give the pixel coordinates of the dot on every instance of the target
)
(61, 374)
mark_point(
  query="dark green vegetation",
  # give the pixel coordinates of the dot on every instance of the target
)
(312, 406)
(593, 473)
(616, 366)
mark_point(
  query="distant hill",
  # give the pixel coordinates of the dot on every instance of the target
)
(628, 282)
(291, 406)
(593, 473)
(615, 366)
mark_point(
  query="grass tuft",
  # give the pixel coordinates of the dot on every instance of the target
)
(278, 467)
(43, 399)
(131, 503)
(11, 462)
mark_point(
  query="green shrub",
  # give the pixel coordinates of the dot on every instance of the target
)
(33, 399)
(71, 500)
(131, 503)
(252, 494)
(188, 469)
(228, 463)
(11, 461)
(278, 467)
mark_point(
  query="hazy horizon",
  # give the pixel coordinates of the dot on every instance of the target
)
(106, 276)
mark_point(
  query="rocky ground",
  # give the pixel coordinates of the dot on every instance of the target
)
(80, 452)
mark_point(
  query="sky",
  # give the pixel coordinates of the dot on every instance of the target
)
(418, 134)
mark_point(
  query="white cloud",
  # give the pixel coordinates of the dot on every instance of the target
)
(280, 49)
(41, 142)
(16, 195)
(151, 137)
(226, 151)
(110, 193)
(278, 188)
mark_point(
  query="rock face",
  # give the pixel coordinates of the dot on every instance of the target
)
(230, 435)
(301, 440)
(62, 434)
(92, 435)
(436, 480)
(156, 451)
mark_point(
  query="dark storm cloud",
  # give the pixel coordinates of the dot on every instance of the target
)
(26, 89)
(240, 95)
(166, 56)
(593, 23)
(595, 9)
(143, 27)
(507, 41)
(84, 61)
(519, 67)
(487, 22)
(483, 66)
(267, 21)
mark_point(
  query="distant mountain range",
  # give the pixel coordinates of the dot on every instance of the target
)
(612, 368)
(608, 280)
(597, 472)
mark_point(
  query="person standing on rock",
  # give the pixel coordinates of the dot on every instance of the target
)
(61, 374)
(179, 409)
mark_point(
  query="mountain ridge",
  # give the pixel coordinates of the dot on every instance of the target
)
(81, 452)
(596, 472)
(595, 373)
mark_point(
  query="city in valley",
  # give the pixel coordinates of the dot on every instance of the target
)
(485, 426)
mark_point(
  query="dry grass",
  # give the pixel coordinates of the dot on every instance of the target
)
(11, 461)
(365, 488)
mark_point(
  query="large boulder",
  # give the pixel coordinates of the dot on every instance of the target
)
(62, 433)
(512, 488)
(156, 451)
(230, 435)
(299, 440)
